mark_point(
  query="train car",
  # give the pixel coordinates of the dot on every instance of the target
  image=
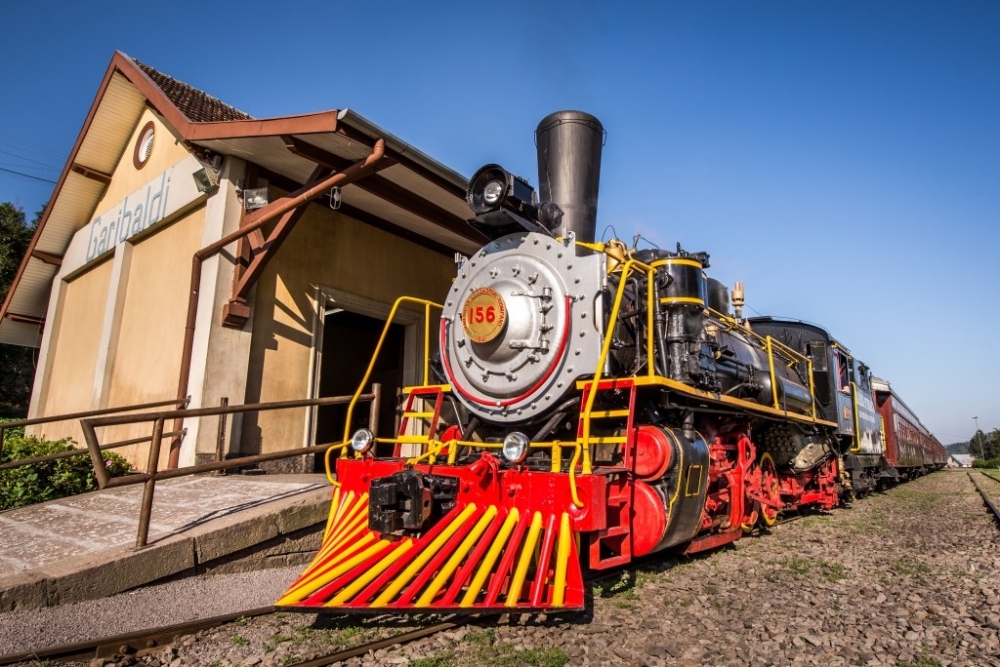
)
(588, 403)
(910, 449)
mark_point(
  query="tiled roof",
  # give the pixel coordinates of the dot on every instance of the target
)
(198, 106)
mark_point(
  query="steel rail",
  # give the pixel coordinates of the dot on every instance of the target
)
(377, 645)
(139, 642)
(986, 498)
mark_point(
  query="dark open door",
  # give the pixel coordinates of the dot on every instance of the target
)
(349, 339)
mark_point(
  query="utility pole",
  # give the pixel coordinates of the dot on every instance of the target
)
(982, 452)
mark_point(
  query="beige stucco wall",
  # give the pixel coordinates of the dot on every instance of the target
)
(120, 322)
(146, 358)
(126, 179)
(69, 383)
(330, 250)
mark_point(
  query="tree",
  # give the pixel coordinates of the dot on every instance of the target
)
(17, 368)
(984, 446)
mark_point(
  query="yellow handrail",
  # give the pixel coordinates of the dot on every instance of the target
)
(434, 448)
(857, 421)
(812, 386)
(772, 345)
(341, 448)
(769, 343)
(615, 308)
(378, 348)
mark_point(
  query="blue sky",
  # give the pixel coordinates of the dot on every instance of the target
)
(841, 158)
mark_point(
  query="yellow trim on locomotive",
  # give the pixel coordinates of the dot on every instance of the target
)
(679, 261)
(425, 555)
(656, 380)
(491, 556)
(688, 493)
(456, 558)
(857, 419)
(667, 300)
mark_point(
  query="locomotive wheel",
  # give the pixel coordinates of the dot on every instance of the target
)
(750, 518)
(769, 485)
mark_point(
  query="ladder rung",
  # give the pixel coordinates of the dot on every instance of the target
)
(422, 415)
(608, 440)
(602, 414)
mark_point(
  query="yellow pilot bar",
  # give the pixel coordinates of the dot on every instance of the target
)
(562, 561)
(424, 556)
(491, 557)
(522, 565)
(358, 584)
(456, 558)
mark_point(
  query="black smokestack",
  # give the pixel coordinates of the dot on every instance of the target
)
(569, 147)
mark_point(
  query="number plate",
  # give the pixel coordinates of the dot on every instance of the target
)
(483, 315)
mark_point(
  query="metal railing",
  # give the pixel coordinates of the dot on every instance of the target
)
(154, 474)
(81, 415)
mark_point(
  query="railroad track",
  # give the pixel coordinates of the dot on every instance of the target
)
(145, 642)
(131, 643)
(986, 497)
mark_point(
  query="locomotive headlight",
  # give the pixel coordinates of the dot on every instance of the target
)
(515, 447)
(493, 188)
(493, 192)
(362, 440)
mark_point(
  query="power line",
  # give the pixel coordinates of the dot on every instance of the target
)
(30, 147)
(28, 159)
(18, 173)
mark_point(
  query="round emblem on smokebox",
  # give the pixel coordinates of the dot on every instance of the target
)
(483, 315)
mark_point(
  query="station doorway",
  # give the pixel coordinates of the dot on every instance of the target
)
(348, 342)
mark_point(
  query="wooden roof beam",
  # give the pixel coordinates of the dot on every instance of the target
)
(92, 174)
(385, 189)
(47, 257)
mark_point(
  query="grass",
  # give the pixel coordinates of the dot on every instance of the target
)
(909, 567)
(796, 566)
(922, 660)
(924, 500)
(815, 521)
(497, 656)
(239, 640)
(443, 660)
(484, 637)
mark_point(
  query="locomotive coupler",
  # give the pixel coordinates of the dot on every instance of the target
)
(409, 501)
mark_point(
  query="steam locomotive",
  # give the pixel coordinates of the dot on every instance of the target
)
(595, 403)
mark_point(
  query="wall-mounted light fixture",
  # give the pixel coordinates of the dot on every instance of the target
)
(254, 198)
(206, 178)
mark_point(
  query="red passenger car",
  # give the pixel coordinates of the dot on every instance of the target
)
(910, 449)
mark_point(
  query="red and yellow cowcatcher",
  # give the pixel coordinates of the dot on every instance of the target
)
(450, 537)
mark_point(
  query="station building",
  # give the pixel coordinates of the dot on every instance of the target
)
(128, 303)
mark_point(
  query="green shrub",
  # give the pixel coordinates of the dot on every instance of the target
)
(991, 463)
(48, 480)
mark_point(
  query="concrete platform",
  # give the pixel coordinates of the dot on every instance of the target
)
(83, 547)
